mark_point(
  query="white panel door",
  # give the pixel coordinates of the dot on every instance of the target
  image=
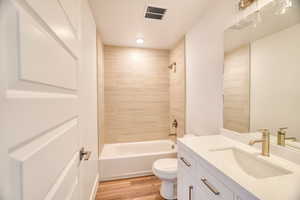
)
(88, 103)
(47, 100)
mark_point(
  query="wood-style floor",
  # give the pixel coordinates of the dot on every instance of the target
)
(141, 188)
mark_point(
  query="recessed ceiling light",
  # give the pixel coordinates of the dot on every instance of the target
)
(140, 41)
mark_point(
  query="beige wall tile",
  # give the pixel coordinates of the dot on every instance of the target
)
(237, 89)
(136, 94)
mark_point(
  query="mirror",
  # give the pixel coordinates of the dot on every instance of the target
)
(262, 72)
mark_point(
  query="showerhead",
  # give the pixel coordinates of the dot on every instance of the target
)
(172, 66)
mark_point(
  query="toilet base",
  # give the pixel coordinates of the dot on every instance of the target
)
(168, 190)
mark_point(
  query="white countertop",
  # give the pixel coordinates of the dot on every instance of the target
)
(284, 187)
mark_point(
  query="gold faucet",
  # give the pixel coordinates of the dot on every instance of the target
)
(281, 136)
(265, 142)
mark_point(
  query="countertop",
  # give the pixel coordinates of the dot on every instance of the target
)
(283, 187)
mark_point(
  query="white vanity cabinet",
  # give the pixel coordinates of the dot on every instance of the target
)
(198, 181)
(186, 191)
(188, 188)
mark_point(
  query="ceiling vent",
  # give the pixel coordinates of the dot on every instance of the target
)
(155, 13)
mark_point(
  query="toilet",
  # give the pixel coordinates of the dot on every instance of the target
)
(166, 171)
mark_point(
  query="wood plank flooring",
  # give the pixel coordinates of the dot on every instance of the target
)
(141, 188)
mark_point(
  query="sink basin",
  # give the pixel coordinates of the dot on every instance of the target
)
(250, 164)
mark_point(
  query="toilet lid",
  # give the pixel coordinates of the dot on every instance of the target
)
(168, 165)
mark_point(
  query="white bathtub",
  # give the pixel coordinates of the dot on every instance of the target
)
(124, 160)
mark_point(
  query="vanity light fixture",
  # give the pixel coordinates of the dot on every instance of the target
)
(253, 19)
(243, 4)
(282, 6)
(256, 18)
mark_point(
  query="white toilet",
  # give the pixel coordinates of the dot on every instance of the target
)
(166, 171)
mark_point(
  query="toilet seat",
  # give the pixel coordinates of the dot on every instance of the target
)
(165, 168)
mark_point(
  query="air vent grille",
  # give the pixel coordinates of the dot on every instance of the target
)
(156, 10)
(155, 13)
(153, 16)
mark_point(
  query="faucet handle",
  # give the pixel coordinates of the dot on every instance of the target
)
(282, 131)
(264, 131)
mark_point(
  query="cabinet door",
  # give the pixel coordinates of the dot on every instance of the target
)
(187, 189)
(185, 186)
(200, 194)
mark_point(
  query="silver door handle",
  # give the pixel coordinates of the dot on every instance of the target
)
(190, 192)
(84, 155)
(210, 187)
(185, 162)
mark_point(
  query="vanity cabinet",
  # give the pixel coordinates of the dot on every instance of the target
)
(186, 191)
(198, 181)
(188, 187)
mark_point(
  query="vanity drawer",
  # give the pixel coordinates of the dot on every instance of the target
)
(214, 188)
(186, 159)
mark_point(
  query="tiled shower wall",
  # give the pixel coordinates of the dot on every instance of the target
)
(136, 94)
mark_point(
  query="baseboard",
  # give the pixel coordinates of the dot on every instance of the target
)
(131, 175)
(95, 188)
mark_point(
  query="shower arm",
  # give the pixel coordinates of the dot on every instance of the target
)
(172, 66)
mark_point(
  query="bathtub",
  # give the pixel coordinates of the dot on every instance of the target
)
(125, 160)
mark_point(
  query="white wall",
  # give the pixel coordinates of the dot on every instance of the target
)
(204, 62)
(275, 88)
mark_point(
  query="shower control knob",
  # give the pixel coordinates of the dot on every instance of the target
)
(175, 123)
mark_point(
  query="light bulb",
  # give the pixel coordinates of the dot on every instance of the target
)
(140, 41)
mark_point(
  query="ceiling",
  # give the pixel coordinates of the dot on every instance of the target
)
(121, 22)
